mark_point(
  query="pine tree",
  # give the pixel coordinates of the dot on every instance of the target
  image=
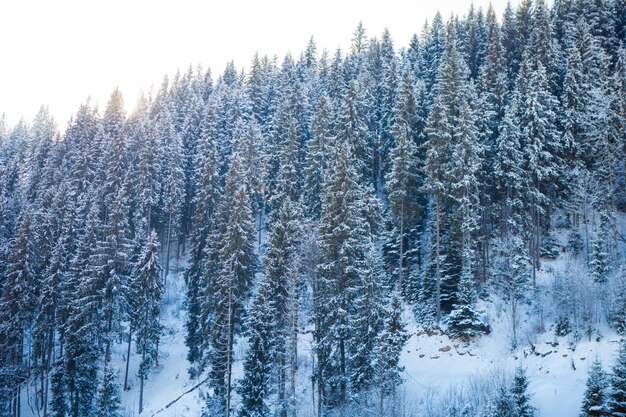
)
(617, 395)
(58, 400)
(81, 329)
(352, 126)
(502, 405)
(511, 276)
(109, 402)
(599, 263)
(452, 162)
(318, 153)
(145, 293)
(342, 238)
(279, 262)
(595, 396)
(405, 202)
(255, 386)
(228, 284)
(519, 394)
(17, 306)
(464, 320)
(388, 348)
(373, 303)
(206, 204)
(543, 150)
(619, 312)
(110, 264)
(173, 180)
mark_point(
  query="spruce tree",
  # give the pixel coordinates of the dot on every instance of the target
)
(519, 394)
(464, 319)
(617, 395)
(206, 204)
(145, 293)
(342, 237)
(318, 153)
(230, 271)
(388, 348)
(594, 398)
(255, 387)
(108, 403)
(405, 202)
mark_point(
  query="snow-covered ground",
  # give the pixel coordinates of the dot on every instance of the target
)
(434, 365)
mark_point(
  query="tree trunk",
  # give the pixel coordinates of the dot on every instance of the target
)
(141, 376)
(401, 263)
(167, 259)
(48, 364)
(130, 338)
(438, 260)
(294, 346)
(229, 350)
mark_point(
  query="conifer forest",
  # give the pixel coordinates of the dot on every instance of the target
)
(332, 233)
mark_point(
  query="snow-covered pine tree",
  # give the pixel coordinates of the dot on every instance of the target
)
(255, 387)
(502, 405)
(464, 320)
(206, 203)
(17, 307)
(599, 262)
(520, 396)
(173, 180)
(618, 315)
(108, 403)
(452, 157)
(511, 273)
(228, 284)
(386, 356)
(594, 399)
(318, 155)
(511, 182)
(404, 180)
(81, 330)
(342, 242)
(371, 301)
(617, 394)
(145, 293)
(279, 260)
(110, 264)
(542, 144)
(352, 126)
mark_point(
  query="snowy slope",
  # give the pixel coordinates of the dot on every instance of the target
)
(436, 368)
(433, 366)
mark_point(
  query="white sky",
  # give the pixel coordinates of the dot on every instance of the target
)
(59, 52)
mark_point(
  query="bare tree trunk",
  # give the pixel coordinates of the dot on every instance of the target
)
(514, 314)
(48, 365)
(294, 342)
(130, 338)
(229, 350)
(260, 225)
(141, 377)
(167, 259)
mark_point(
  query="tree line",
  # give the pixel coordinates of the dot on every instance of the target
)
(321, 195)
